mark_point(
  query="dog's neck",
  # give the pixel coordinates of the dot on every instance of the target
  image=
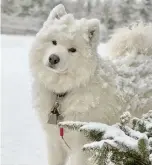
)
(61, 95)
(54, 115)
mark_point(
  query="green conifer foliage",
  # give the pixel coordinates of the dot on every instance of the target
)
(128, 142)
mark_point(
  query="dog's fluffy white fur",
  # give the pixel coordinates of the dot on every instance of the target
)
(91, 94)
(136, 38)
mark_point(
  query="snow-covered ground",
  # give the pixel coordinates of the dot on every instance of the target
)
(23, 141)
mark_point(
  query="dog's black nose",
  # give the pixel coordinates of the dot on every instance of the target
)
(54, 59)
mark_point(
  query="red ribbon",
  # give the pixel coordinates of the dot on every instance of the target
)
(61, 132)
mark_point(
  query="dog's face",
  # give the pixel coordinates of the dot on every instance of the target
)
(66, 50)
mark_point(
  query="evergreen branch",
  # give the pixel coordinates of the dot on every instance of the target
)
(71, 125)
(144, 124)
(118, 143)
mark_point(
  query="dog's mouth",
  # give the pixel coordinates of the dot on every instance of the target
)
(57, 70)
(51, 66)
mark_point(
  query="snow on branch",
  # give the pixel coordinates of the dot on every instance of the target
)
(71, 124)
(144, 124)
(118, 143)
(117, 139)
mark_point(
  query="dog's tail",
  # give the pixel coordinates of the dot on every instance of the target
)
(136, 38)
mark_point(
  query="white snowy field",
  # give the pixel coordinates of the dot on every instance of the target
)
(23, 141)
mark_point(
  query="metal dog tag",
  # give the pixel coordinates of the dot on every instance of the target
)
(52, 119)
(60, 118)
(54, 116)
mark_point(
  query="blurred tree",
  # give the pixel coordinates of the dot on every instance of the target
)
(111, 13)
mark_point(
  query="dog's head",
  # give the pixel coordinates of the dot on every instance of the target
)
(64, 53)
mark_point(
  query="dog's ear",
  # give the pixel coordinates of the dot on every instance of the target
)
(57, 12)
(94, 31)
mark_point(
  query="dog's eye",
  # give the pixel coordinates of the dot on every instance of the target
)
(72, 50)
(54, 42)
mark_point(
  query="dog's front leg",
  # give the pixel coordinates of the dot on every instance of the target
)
(77, 157)
(56, 152)
(43, 101)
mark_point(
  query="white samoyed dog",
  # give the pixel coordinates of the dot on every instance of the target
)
(71, 82)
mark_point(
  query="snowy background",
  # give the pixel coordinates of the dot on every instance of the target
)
(27, 16)
(23, 141)
(22, 136)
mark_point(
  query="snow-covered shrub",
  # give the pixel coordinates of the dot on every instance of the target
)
(128, 142)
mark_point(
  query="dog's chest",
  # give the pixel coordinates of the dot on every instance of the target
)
(64, 108)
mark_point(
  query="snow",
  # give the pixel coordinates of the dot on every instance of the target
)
(110, 132)
(99, 145)
(132, 75)
(148, 120)
(71, 124)
(125, 117)
(113, 136)
(23, 142)
(135, 74)
(118, 136)
(123, 144)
